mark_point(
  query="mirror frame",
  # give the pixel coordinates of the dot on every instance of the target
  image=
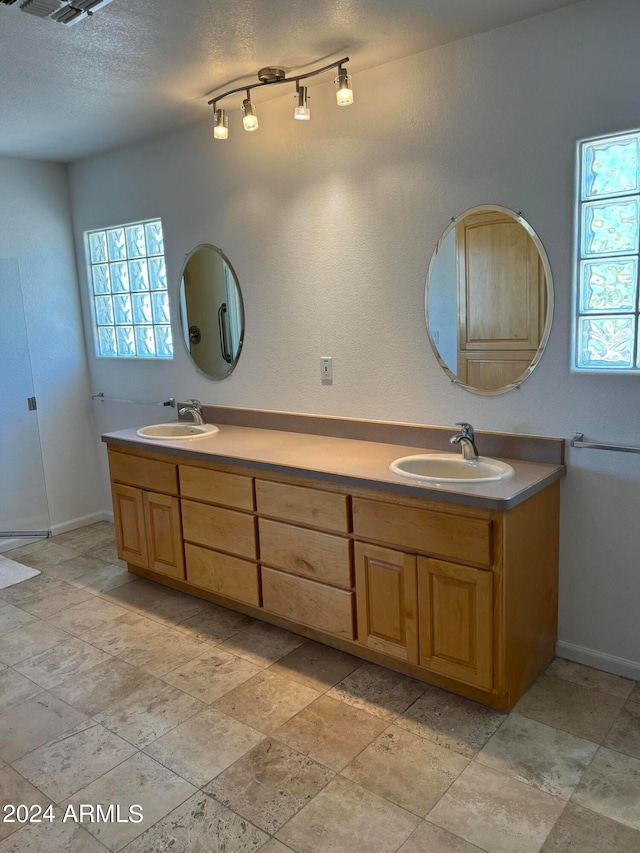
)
(517, 216)
(226, 260)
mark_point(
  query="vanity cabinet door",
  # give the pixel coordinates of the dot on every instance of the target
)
(128, 518)
(387, 601)
(164, 534)
(456, 621)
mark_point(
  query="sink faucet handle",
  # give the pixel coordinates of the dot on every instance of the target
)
(467, 429)
(195, 404)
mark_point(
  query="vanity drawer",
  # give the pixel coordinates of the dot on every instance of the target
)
(223, 529)
(321, 556)
(222, 574)
(303, 505)
(440, 534)
(145, 473)
(309, 603)
(216, 487)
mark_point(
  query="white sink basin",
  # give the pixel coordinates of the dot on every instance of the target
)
(447, 468)
(177, 430)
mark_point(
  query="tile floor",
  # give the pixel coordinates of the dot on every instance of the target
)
(236, 736)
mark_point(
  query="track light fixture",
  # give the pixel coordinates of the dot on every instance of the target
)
(271, 76)
(302, 111)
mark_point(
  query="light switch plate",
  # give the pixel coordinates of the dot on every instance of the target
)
(326, 370)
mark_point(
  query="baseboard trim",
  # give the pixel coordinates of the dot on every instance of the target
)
(599, 660)
(75, 523)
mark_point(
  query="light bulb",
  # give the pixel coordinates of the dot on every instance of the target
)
(302, 111)
(344, 93)
(250, 119)
(221, 127)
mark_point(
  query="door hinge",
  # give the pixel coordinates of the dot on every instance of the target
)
(32, 404)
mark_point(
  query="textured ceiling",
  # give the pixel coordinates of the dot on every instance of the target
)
(139, 67)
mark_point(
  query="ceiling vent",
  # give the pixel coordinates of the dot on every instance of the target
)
(61, 11)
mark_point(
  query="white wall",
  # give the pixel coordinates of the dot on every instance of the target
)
(35, 228)
(330, 225)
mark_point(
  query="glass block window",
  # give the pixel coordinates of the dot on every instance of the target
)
(128, 284)
(606, 333)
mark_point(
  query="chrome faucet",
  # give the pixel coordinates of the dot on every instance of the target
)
(465, 438)
(193, 408)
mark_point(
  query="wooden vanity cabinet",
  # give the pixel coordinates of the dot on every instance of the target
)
(147, 523)
(461, 596)
(387, 595)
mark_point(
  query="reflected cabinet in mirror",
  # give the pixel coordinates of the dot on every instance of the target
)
(211, 311)
(489, 300)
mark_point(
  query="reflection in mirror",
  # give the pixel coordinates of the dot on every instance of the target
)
(489, 300)
(211, 311)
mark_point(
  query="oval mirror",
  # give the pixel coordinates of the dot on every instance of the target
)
(489, 300)
(211, 311)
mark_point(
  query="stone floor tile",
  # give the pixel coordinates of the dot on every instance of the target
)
(33, 723)
(346, 818)
(80, 564)
(164, 651)
(134, 595)
(97, 689)
(104, 579)
(451, 721)
(624, 735)
(14, 790)
(147, 712)
(36, 637)
(173, 607)
(589, 677)
(580, 830)
(74, 760)
(12, 618)
(71, 658)
(204, 745)
(45, 603)
(122, 633)
(15, 688)
(406, 769)
(20, 592)
(316, 666)
(49, 555)
(262, 644)
(91, 613)
(137, 781)
(547, 758)
(266, 701)
(496, 813)
(611, 787)
(330, 732)
(269, 784)
(215, 624)
(52, 837)
(381, 692)
(634, 696)
(429, 838)
(275, 846)
(200, 824)
(582, 711)
(211, 675)
(105, 551)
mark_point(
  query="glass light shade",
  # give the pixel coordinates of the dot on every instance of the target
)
(221, 127)
(250, 119)
(344, 93)
(302, 111)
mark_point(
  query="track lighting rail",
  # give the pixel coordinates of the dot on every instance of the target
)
(271, 76)
(276, 80)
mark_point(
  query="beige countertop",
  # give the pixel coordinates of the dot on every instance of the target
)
(346, 461)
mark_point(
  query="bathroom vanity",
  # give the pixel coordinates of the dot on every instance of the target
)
(454, 585)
